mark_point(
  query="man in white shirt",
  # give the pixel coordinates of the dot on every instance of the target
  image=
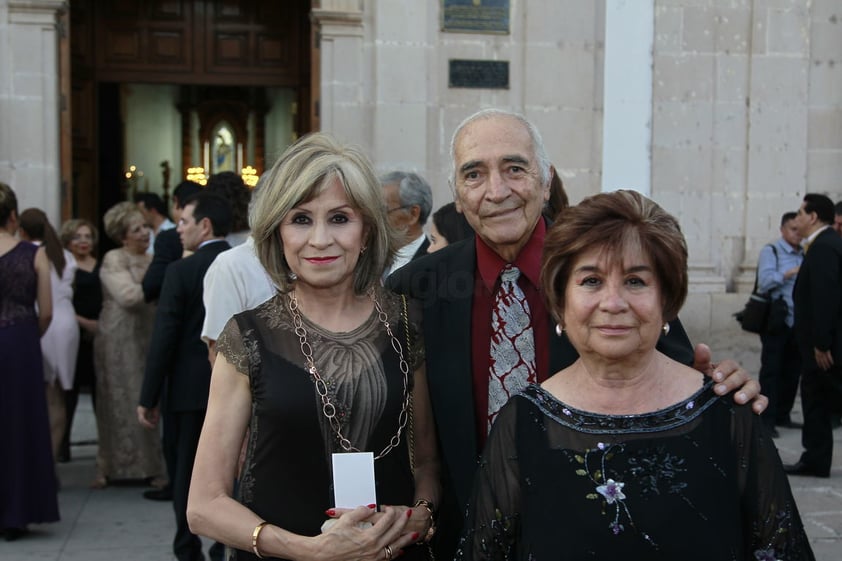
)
(409, 201)
(235, 282)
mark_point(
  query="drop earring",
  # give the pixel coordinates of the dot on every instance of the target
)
(559, 329)
(666, 329)
(292, 276)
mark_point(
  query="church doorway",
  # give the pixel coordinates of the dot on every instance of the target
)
(164, 89)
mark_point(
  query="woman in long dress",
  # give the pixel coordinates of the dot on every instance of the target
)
(60, 344)
(81, 237)
(28, 484)
(126, 450)
(332, 364)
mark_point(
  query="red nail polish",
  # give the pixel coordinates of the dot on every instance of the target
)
(409, 513)
(415, 536)
(330, 512)
(372, 506)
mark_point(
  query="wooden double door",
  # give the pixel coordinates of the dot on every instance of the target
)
(220, 53)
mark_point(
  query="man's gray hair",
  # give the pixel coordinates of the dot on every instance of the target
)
(543, 161)
(412, 190)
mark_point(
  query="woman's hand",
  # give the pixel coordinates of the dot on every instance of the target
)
(89, 325)
(418, 522)
(346, 540)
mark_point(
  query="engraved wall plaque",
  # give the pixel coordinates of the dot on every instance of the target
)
(490, 74)
(475, 16)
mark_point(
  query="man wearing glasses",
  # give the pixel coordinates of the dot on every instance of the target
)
(409, 201)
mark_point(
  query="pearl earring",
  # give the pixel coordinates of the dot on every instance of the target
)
(666, 329)
(559, 329)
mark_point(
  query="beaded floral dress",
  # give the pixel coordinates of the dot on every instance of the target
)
(286, 478)
(698, 480)
(126, 449)
(28, 484)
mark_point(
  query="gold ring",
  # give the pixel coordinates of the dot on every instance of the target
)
(388, 551)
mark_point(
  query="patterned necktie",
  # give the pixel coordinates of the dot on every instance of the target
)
(512, 365)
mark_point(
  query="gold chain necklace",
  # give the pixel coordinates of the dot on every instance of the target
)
(328, 408)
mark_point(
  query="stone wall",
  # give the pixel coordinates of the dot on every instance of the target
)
(29, 103)
(746, 120)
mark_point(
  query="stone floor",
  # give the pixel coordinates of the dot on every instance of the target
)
(117, 523)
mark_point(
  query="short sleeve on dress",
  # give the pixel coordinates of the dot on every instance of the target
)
(416, 334)
(235, 346)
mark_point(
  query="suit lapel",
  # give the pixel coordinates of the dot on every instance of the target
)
(422, 249)
(449, 373)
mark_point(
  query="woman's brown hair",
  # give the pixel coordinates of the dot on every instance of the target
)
(34, 222)
(616, 223)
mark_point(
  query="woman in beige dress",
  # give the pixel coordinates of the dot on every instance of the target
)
(126, 450)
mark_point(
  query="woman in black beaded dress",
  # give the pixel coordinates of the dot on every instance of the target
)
(626, 454)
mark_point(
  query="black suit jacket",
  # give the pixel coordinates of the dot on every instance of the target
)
(422, 250)
(167, 249)
(444, 282)
(177, 355)
(817, 299)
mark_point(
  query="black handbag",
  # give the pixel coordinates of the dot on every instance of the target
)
(763, 314)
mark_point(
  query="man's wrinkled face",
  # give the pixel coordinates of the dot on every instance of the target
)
(497, 181)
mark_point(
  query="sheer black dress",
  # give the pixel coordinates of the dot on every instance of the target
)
(286, 477)
(698, 480)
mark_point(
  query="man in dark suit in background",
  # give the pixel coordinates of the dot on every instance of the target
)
(409, 202)
(178, 358)
(167, 243)
(168, 248)
(501, 177)
(817, 297)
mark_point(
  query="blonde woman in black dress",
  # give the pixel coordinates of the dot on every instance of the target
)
(332, 364)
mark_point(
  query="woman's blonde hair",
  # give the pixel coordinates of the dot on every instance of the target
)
(299, 175)
(116, 220)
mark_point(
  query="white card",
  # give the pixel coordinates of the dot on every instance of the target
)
(353, 480)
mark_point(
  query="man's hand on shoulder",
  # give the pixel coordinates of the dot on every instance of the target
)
(729, 376)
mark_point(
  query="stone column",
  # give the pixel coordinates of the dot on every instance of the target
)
(29, 102)
(342, 107)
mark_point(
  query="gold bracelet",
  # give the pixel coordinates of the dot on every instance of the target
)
(431, 531)
(426, 504)
(254, 536)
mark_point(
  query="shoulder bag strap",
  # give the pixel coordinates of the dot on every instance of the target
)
(757, 273)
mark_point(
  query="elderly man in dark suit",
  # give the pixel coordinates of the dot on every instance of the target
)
(501, 177)
(817, 298)
(178, 358)
(409, 202)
